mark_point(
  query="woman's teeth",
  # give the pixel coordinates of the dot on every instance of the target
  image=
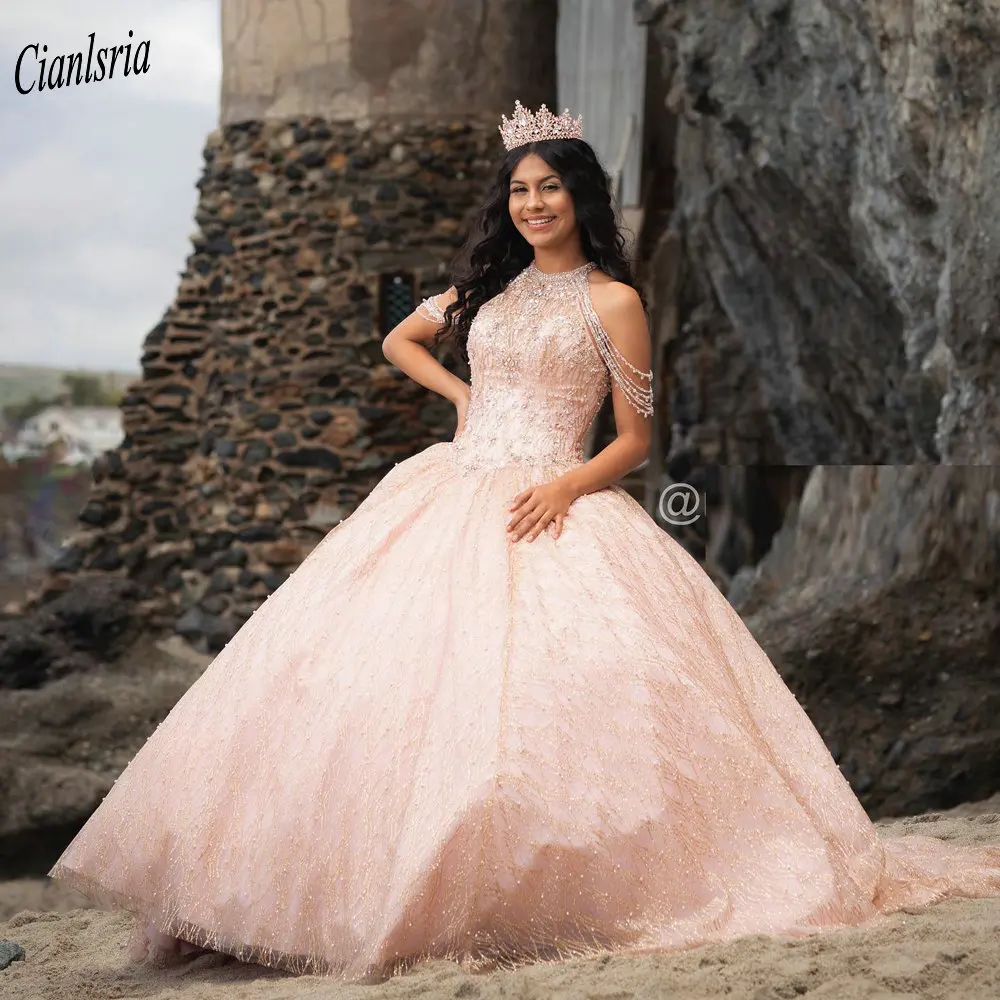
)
(538, 223)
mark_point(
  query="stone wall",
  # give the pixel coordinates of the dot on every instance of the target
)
(266, 411)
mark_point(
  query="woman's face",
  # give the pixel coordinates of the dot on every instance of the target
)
(540, 205)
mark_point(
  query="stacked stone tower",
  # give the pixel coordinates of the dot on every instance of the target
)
(355, 139)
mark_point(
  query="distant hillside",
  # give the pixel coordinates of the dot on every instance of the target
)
(19, 383)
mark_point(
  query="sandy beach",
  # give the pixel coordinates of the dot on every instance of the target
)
(949, 952)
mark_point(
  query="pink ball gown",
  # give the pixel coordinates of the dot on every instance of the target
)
(433, 741)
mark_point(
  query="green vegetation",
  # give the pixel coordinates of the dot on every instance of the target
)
(25, 391)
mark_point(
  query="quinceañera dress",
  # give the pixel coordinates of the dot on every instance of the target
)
(435, 741)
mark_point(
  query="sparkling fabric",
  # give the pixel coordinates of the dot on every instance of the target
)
(435, 741)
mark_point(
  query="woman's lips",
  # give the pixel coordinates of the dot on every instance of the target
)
(548, 220)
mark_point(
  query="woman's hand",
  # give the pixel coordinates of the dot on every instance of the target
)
(461, 408)
(538, 507)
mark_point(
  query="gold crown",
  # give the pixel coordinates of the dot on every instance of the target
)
(527, 127)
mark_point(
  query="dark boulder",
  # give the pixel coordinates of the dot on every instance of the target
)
(89, 623)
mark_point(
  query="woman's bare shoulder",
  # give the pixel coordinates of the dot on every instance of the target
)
(609, 293)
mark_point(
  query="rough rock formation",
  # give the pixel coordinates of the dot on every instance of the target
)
(65, 741)
(92, 622)
(836, 164)
(879, 604)
(73, 711)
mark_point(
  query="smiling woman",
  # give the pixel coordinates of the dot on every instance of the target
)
(64, 70)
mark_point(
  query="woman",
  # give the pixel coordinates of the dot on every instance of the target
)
(497, 714)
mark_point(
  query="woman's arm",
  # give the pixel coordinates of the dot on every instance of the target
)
(404, 347)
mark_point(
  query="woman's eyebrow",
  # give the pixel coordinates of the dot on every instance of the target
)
(547, 177)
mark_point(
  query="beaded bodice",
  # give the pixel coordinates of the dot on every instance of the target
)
(537, 380)
(538, 376)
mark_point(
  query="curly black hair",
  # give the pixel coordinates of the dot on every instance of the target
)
(495, 252)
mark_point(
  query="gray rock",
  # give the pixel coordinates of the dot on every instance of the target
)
(10, 951)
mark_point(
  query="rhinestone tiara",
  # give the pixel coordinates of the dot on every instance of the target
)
(524, 126)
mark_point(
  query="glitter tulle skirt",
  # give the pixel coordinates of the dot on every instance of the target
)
(432, 741)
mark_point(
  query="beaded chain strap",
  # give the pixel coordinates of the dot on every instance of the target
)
(637, 387)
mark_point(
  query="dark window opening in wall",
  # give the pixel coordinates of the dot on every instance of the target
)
(395, 299)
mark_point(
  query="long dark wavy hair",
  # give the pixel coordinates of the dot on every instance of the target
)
(495, 252)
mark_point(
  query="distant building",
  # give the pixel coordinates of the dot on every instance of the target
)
(75, 434)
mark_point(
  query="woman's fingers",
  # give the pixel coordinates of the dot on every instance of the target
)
(531, 521)
(540, 526)
(522, 522)
(533, 515)
(520, 498)
(527, 508)
(515, 521)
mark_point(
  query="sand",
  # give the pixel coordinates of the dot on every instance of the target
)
(951, 952)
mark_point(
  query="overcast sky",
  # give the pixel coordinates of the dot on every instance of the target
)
(97, 194)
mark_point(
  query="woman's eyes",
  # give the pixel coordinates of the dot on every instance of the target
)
(545, 187)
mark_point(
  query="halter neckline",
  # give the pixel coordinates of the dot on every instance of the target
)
(535, 270)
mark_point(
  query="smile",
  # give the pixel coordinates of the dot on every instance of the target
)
(540, 223)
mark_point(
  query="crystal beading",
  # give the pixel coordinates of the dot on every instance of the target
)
(429, 309)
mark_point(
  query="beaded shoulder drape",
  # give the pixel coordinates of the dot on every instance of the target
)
(434, 741)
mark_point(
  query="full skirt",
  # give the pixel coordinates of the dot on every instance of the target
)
(432, 741)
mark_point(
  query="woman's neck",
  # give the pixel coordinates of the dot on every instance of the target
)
(561, 259)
